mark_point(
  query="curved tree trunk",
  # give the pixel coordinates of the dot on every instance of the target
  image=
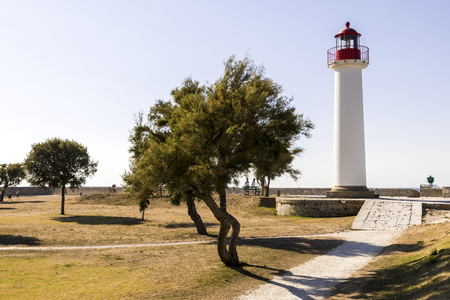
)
(63, 192)
(223, 207)
(143, 212)
(223, 200)
(227, 221)
(195, 217)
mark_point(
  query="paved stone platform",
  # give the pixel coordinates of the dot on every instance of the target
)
(388, 215)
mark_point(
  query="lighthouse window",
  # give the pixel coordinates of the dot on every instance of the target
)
(347, 41)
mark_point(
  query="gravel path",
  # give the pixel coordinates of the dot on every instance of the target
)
(315, 278)
(53, 248)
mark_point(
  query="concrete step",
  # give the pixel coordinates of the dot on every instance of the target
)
(388, 215)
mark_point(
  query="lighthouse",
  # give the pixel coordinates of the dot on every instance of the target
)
(347, 60)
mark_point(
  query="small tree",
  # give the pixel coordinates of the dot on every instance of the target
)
(137, 188)
(10, 175)
(58, 163)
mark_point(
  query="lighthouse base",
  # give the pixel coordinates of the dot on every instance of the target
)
(351, 192)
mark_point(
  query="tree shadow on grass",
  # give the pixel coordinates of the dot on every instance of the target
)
(322, 246)
(405, 248)
(187, 225)
(295, 244)
(7, 208)
(9, 240)
(21, 202)
(99, 220)
(242, 268)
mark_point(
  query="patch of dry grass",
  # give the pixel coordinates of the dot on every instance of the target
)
(87, 224)
(163, 272)
(172, 272)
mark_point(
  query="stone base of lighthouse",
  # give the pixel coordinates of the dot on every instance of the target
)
(351, 192)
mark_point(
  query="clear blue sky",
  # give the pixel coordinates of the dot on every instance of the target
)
(81, 69)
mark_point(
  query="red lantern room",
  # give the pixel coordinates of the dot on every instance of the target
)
(348, 46)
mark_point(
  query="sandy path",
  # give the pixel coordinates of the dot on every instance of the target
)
(315, 278)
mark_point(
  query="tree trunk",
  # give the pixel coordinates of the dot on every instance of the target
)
(223, 200)
(267, 188)
(143, 211)
(195, 217)
(227, 221)
(63, 191)
(3, 193)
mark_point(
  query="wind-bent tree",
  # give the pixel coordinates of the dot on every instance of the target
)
(215, 133)
(57, 163)
(10, 175)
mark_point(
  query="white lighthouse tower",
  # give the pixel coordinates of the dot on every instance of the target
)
(347, 60)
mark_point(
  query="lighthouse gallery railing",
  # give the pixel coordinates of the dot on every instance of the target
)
(347, 53)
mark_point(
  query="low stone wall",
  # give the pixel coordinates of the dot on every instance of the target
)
(285, 191)
(88, 190)
(396, 192)
(323, 191)
(318, 208)
(446, 191)
(28, 191)
(267, 202)
(440, 206)
(303, 191)
(34, 191)
(430, 192)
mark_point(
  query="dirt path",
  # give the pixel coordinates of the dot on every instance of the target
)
(315, 278)
(50, 248)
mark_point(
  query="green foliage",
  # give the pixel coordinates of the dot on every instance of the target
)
(136, 186)
(57, 163)
(278, 154)
(11, 175)
(212, 134)
(138, 137)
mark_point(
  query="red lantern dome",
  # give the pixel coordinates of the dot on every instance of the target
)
(347, 31)
(348, 46)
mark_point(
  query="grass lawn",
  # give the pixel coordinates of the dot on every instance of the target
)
(158, 272)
